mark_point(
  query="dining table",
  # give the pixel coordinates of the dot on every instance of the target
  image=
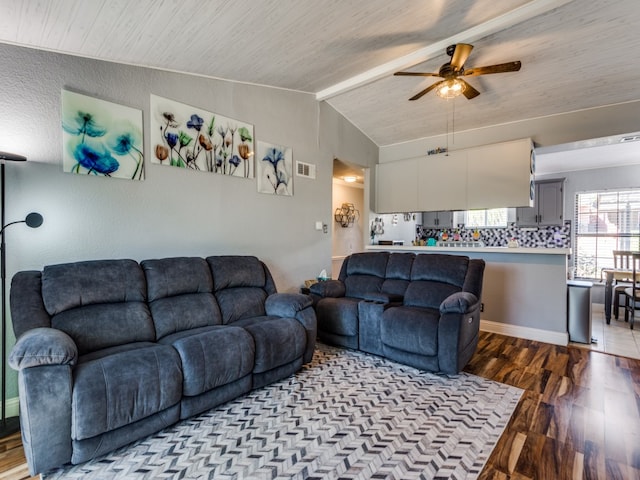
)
(611, 275)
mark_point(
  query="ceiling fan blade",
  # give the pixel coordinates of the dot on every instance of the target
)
(460, 55)
(469, 91)
(417, 74)
(500, 68)
(426, 90)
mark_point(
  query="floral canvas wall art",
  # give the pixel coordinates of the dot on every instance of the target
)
(275, 169)
(188, 137)
(101, 138)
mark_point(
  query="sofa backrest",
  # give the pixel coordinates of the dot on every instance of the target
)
(180, 294)
(241, 284)
(364, 273)
(398, 273)
(434, 277)
(99, 303)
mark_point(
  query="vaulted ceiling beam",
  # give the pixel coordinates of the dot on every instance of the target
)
(506, 20)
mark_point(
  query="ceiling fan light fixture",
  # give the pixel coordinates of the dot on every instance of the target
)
(450, 88)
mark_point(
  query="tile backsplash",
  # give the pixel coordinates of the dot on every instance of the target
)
(538, 237)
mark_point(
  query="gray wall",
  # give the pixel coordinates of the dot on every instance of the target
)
(173, 212)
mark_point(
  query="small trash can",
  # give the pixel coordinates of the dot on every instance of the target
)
(579, 311)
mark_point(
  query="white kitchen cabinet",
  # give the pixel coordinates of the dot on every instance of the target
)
(490, 176)
(499, 175)
(548, 207)
(397, 186)
(442, 182)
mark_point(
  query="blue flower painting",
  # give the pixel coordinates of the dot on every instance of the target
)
(188, 137)
(101, 138)
(275, 169)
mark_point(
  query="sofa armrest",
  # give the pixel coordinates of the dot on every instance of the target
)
(286, 304)
(459, 302)
(300, 307)
(43, 346)
(328, 288)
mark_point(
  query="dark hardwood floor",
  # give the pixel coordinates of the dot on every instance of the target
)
(578, 417)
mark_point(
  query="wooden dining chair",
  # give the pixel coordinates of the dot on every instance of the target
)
(632, 293)
(622, 260)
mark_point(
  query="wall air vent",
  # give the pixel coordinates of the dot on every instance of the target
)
(305, 170)
(633, 138)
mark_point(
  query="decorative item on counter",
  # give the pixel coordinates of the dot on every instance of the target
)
(476, 235)
(456, 235)
(513, 243)
(445, 235)
(431, 242)
(436, 151)
(377, 228)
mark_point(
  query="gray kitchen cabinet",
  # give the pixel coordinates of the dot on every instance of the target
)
(548, 206)
(437, 219)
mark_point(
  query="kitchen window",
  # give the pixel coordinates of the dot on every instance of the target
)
(493, 217)
(604, 221)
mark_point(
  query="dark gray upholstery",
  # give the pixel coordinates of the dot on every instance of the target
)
(110, 351)
(421, 310)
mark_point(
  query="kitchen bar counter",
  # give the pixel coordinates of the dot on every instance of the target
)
(500, 250)
(524, 289)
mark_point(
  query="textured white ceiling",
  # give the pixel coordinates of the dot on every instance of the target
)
(580, 55)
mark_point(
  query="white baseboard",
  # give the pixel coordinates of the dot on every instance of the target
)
(546, 336)
(12, 408)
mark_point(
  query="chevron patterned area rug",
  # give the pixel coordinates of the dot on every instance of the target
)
(347, 415)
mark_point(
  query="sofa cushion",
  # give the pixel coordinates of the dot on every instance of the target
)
(412, 330)
(180, 294)
(212, 356)
(428, 294)
(95, 327)
(364, 273)
(79, 284)
(238, 303)
(118, 389)
(399, 266)
(451, 269)
(433, 278)
(98, 303)
(168, 277)
(230, 271)
(184, 312)
(367, 263)
(278, 341)
(398, 273)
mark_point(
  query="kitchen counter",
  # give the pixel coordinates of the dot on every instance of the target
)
(454, 250)
(524, 290)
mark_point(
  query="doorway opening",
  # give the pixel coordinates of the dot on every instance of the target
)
(351, 187)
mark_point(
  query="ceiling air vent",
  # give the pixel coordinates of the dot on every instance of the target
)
(305, 170)
(633, 138)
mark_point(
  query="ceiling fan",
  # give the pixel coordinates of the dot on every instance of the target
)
(453, 71)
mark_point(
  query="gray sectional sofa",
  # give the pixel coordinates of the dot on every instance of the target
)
(421, 310)
(110, 351)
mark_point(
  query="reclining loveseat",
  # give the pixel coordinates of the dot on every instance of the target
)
(110, 351)
(422, 310)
